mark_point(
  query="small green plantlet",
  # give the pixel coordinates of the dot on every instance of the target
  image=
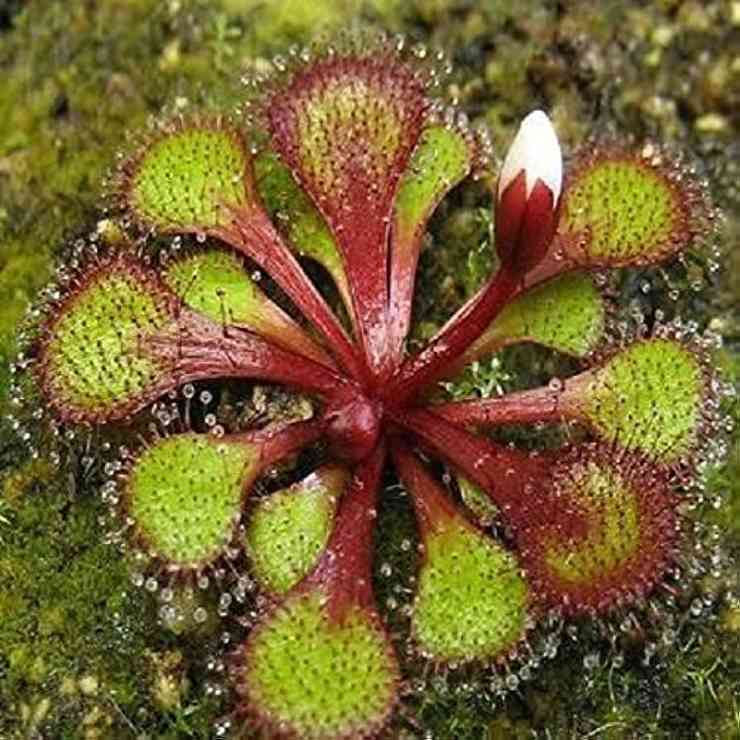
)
(258, 403)
(480, 506)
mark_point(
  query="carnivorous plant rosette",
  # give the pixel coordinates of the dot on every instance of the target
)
(334, 170)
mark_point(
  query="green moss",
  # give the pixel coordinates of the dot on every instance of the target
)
(627, 210)
(566, 314)
(396, 558)
(288, 530)
(295, 20)
(189, 178)
(472, 600)
(93, 363)
(648, 397)
(725, 479)
(347, 679)
(459, 263)
(21, 276)
(184, 494)
(65, 610)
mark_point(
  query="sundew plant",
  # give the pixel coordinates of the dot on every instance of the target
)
(238, 343)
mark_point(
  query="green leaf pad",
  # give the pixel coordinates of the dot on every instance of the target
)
(649, 397)
(215, 284)
(188, 178)
(347, 119)
(292, 209)
(92, 365)
(185, 493)
(614, 530)
(318, 677)
(472, 601)
(628, 208)
(566, 314)
(608, 536)
(289, 529)
(442, 157)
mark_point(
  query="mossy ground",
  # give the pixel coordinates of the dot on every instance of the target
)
(79, 655)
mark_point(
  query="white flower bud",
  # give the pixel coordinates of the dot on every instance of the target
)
(536, 151)
(528, 191)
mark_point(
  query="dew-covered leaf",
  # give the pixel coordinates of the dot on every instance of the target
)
(477, 501)
(442, 157)
(215, 283)
(608, 535)
(621, 207)
(317, 677)
(328, 627)
(567, 314)
(184, 495)
(188, 177)
(289, 529)
(346, 125)
(118, 338)
(295, 214)
(647, 397)
(198, 177)
(91, 365)
(472, 602)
